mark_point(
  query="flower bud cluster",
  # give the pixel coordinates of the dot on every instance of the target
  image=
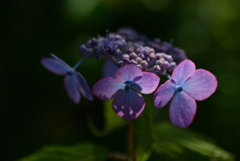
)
(177, 54)
(147, 60)
(129, 47)
(111, 45)
(159, 46)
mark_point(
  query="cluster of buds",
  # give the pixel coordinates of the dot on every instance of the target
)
(129, 47)
(135, 40)
(110, 46)
(147, 60)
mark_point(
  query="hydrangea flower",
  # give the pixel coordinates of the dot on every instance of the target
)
(73, 81)
(130, 80)
(185, 86)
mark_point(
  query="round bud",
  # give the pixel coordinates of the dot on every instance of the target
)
(156, 68)
(163, 71)
(139, 60)
(165, 65)
(133, 55)
(172, 66)
(144, 64)
(152, 56)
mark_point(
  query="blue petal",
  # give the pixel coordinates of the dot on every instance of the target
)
(60, 61)
(83, 86)
(182, 110)
(71, 88)
(56, 65)
(128, 104)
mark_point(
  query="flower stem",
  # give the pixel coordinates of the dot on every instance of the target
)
(149, 69)
(130, 142)
(168, 76)
(78, 63)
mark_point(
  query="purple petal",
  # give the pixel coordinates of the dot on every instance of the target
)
(129, 73)
(164, 93)
(147, 84)
(183, 71)
(71, 88)
(109, 69)
(201, 85)
(107, 88)
(128, 105)
(182, 110)
(83, 86)
(54, 66)
(60, 61)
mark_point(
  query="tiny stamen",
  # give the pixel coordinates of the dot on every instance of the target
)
(128, 85)
(179, 89)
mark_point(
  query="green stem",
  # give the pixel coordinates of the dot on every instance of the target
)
(130, 142)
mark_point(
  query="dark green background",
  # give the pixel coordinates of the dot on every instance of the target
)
(35, 109)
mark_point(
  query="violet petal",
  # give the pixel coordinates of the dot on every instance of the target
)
(60, 61)
(201, 85)
(182, 110)
(83, 86)
(107, 88)
(147, 84)
(164, 93)
(71, 88)
(183, 71)
(128, 105)
(129, 73)
(54, 66)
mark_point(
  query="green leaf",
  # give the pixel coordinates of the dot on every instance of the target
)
(113, 121)
(80, 152)
(144, 131)
(184, 144)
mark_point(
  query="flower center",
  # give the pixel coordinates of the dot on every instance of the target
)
(70, 72)
(179, 89)
(128, 85)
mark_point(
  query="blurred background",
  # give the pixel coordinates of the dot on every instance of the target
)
(35, 109)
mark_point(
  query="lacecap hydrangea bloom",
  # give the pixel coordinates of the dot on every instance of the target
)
(137, 62)
(130, 80)
(185, 86)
